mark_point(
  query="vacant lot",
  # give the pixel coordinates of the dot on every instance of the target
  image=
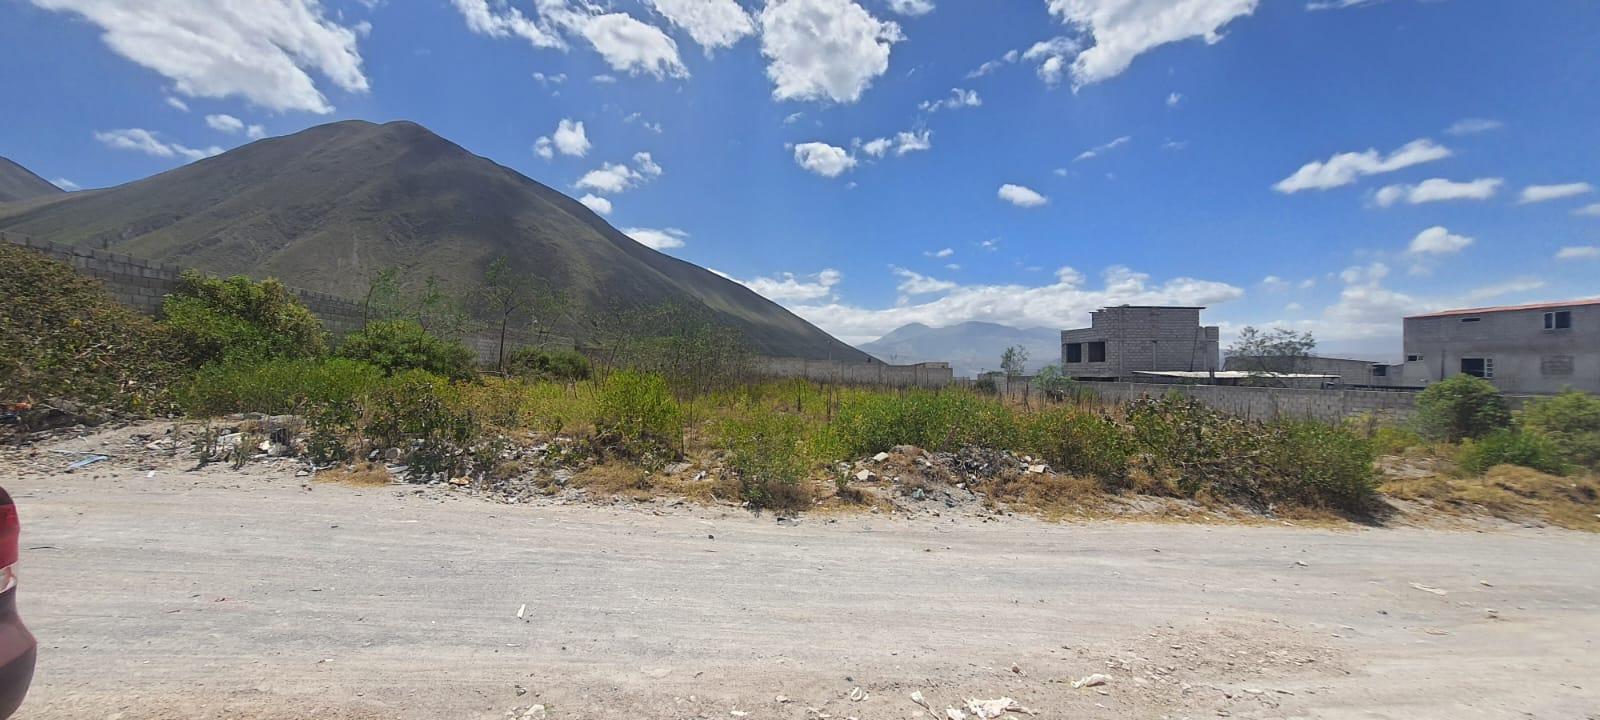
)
(222, 594)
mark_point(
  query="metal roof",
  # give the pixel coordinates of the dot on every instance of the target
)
(1234, 375)
(1510, 308)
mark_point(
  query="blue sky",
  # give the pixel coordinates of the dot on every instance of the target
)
(1329, 166)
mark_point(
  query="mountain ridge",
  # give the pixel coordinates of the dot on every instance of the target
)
(329, 206)
(970, 347)
(19, 183)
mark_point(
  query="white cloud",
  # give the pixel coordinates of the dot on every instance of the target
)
(1099, 149)
(1590, 210)
(1064, 303)
(570, 138)
(908, 142)
(1437, 240)
(629, 45)
(793, 118)
(544, 148)
(1366, 309)
(224, 123)
(1052, 57)
(663, 239)
(625, 43)
(1273, 283)
(1438, 190)
(1021, 196)
(596, 203)
(990, 245)
(788, 287)
(913, 283)
(255, 132)
(912, 8)
(712, 23)
(823, 159)
(1124, 29)
(555, 79)
(613, 178)
(604, 79)
(66, 184)
(1543, 193)
(1573, 252)
(1473, 126)
(1345, 168)
(824, 49)
(1338, 4)
(1173, 99)
(942, 253)
(262, 50)
(877, 147)
(177, 104)
(993, 65)
(146, 141)
(498, 19)
(958, 99)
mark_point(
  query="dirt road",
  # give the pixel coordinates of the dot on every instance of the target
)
(229, 595)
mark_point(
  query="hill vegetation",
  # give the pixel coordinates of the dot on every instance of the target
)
(19, 183)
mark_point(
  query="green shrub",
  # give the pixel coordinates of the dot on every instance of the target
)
(1321, 465)
(638, 410)
(1078, 442)
(768, 450)
(1205, 452)
(1461, 407)
(948, 420)
(538, 364)
(395, 345)
(1510, 447)
(277, 386)
(1058, 386)
(419, 413)
(1571, 421)
(240, 320)
(62, 336)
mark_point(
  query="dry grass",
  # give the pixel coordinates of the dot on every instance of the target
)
(1510, 493)
(366, 474)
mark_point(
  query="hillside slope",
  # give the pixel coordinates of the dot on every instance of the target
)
(19, 183)
(330, 206)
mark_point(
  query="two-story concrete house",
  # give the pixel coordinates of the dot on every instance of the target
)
(1539, 348)
(1125, 339)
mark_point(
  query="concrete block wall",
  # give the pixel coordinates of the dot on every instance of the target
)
(924, 375)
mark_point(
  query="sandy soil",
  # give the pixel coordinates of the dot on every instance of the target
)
(157, 592)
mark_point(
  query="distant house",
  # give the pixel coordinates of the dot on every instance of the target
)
(1126, 339)
(1539, 348)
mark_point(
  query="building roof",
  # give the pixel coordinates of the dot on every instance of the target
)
(1233, 375)
(1510, 308)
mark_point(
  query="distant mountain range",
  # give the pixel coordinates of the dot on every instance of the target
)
(19, 183)
(969, 347)
(329, 207)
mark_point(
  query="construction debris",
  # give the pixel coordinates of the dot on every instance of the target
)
(985, 709)
(1094, 680)
(1427, 589)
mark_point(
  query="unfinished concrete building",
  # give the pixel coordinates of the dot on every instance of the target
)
(1123, 340)
(1541, 348)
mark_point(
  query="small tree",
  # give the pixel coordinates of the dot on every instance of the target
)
(396, 345)
(1014, 360)
(1279, 350)
(507, 294)
(1571, 421)
(1055, 384)
(238, 319)
(1462, 407)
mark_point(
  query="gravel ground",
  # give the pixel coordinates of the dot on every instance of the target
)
(159, 592)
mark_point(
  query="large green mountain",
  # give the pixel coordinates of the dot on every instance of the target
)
(329, 207)
(18, 183)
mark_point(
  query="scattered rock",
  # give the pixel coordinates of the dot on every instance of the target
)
(1094, 680)
(1427, 589)
(880, 457)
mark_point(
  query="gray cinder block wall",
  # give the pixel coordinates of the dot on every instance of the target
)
(924, 375)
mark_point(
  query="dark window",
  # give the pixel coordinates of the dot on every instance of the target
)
(1558, 320)
(1478, 367)
(1470, 319)
(1413, 358)
(1097, 352)
(1075, 353)
(1380, 371)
